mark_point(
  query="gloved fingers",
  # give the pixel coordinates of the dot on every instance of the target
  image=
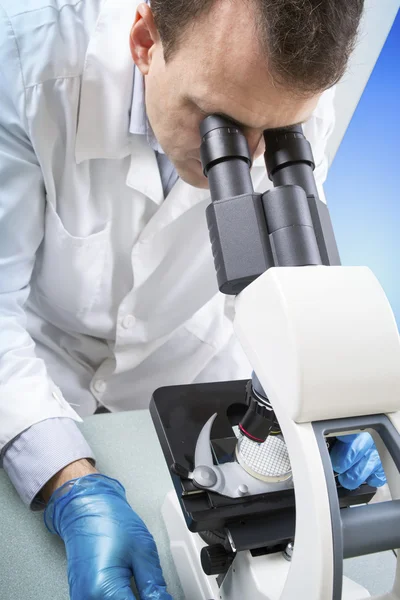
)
(377, 479)
(122, 594)
(361, 471)
(91, 581)
(150, 584)
(149, 579)
(344, 455)
(155, 592)
(347, 439)
(147, 569)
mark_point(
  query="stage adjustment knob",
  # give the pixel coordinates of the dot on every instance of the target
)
(215, 560)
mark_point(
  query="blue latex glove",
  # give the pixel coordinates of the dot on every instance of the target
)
(357, 461)
(105, 540)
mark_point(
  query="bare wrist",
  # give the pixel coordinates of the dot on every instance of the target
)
(79, 468)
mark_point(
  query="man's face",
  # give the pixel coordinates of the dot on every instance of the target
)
(218, 68)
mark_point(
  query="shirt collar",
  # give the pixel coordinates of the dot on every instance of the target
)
(139, 123)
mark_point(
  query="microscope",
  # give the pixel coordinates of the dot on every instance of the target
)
(257, 512)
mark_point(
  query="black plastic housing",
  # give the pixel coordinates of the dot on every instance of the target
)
(179, 413)
(239, 240)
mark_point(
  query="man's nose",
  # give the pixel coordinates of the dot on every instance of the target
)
(256, 144)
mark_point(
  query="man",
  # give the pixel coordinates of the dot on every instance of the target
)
(107, 284)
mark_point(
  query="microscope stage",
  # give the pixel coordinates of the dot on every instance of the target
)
(179, 413)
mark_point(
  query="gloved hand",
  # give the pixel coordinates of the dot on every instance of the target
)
(357, 461)
(105, 540)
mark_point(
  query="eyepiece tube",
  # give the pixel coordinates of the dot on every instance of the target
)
(225, 158)
(235, 217)
(289, 159)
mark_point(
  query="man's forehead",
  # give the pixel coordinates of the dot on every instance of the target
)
(247, 94)
(226, 72)
(270, 115)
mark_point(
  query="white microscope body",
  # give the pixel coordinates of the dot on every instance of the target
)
(325, 346)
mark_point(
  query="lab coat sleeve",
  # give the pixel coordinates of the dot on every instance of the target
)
(318, 130)
(27, 394)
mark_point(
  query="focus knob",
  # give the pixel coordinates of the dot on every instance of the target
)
(215, 560)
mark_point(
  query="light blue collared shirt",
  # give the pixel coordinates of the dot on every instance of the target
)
(140, 125)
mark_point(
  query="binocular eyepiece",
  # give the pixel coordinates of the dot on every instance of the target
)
(226, 158)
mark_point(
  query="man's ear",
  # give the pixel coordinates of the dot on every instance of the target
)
(144, 34)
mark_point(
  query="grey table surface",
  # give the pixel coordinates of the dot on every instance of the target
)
(32, 561)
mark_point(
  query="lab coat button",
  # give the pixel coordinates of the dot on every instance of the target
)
(100, 386)
(128, 321)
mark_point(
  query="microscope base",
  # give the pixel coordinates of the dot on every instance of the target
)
(255, 577)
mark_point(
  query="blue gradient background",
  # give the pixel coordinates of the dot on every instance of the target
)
(363, 184)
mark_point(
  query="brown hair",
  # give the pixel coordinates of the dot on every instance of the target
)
(307, 42)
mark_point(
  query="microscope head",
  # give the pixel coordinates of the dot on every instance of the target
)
(251, 233)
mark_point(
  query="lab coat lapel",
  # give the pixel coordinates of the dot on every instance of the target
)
(181, 198)
(106, 100)
(106, 90)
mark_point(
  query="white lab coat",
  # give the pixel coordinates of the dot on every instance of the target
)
(115, 285)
